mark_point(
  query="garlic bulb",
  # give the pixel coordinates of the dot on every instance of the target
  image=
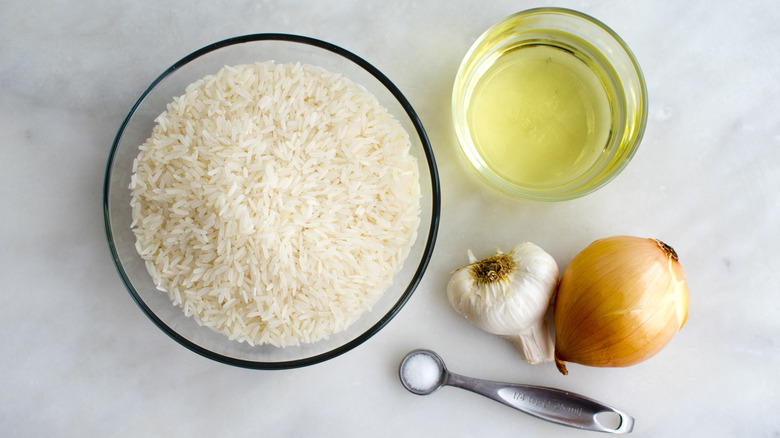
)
(619, 302)
(508, 295)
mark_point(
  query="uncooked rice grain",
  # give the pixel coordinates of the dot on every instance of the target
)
(274, 203)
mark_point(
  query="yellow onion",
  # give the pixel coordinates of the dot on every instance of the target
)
(619, 302)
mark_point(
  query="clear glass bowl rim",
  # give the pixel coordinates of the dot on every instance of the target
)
(429, 244)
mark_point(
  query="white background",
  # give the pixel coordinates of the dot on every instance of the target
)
(80, 359)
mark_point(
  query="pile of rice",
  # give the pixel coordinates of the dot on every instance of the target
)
(274, 203)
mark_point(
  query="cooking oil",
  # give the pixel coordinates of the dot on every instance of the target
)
(538, 115)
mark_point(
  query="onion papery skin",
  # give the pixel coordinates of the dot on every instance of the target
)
(619, 302)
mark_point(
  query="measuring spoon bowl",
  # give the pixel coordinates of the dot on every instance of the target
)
(422, 372)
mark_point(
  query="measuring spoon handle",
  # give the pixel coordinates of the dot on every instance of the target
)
(554, 405)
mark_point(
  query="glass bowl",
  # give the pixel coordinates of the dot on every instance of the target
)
(549, 104)
(137, 127)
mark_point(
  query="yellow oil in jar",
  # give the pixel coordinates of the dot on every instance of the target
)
(539, 116)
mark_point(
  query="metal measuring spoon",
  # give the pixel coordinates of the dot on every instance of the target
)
(423, 372)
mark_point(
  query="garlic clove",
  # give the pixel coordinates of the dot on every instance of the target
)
(536, 343)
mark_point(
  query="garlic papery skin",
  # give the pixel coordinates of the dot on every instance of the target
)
(508, 295)
(619, 302)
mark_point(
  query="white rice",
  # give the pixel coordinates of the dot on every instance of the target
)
(274, 203)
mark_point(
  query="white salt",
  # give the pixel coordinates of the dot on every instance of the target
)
(421, 372)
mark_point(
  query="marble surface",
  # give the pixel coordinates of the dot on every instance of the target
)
(80, 359)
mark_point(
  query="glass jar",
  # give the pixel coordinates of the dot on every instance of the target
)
(549, 104)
